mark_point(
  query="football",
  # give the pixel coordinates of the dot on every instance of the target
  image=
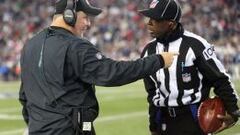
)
(207, 114)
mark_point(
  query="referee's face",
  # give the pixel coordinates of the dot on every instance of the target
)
(159, 28)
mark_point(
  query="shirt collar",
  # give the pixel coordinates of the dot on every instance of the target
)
(176, 34)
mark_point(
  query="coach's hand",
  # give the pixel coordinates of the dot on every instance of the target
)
(168, 58)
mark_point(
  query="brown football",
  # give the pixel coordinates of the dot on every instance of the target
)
(207, 114)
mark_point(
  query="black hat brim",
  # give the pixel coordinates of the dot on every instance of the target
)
(150, 13)
(93, 11)
(88, 9)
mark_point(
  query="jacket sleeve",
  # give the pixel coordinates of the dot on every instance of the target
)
(23, 101)
(214, 71)
(91, 66)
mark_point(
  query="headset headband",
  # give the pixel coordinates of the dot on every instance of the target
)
(71, 4)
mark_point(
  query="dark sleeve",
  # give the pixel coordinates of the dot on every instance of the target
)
(23, 101)
(94, 68)
(214, 71)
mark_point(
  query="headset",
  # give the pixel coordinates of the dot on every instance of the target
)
(69, 14)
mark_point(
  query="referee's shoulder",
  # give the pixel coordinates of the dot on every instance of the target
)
(148, 46)
(196, 41)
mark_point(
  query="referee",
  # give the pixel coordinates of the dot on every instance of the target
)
(174, 94)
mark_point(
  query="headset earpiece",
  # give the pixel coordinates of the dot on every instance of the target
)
(69, 14)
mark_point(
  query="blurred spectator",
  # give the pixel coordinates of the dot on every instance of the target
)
(120, 31)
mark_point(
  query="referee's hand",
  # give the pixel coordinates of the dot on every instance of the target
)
(168, 58)
(228, 121)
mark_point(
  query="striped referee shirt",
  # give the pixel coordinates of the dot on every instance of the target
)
(189, 79)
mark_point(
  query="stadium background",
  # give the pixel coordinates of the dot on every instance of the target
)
(120, 32)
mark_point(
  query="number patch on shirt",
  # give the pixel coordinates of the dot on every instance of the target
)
(208, 53)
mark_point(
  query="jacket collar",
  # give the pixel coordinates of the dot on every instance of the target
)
(63, 30)
(177, 33)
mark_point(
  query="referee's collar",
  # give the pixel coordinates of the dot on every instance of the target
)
(177, 33)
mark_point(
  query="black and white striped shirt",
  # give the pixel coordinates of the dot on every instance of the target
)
(189, 79)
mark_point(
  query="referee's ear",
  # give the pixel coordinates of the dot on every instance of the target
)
(172, 25)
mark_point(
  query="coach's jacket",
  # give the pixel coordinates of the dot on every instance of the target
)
(189, 79)
(59, 71)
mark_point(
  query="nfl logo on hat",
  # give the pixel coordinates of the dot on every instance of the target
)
(153, 3)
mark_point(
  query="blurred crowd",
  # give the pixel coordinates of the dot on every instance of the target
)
(120, 31)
